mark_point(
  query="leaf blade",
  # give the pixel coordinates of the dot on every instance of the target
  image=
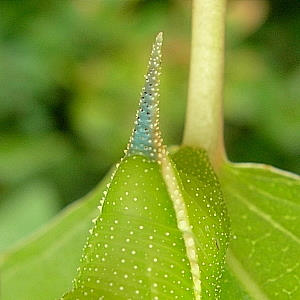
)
(28, 271)
(263, 204)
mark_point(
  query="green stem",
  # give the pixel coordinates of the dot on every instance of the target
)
(204, 119)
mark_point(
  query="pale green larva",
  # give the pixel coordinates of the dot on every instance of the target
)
(162, 228)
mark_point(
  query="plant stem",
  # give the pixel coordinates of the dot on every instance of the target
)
(204, 119)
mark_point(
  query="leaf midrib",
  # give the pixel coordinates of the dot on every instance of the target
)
(244, 277)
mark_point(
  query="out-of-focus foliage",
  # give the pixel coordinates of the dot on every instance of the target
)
(262, 91)
(70, 74)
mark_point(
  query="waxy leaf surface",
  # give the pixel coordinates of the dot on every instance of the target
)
(43, 266)
(264, 207)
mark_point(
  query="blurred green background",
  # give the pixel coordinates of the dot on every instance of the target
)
(70, 77)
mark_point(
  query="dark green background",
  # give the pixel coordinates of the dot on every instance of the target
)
(70, 77)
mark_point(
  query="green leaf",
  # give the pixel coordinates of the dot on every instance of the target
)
(43, 266)
(232, 288)
(263, 204)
